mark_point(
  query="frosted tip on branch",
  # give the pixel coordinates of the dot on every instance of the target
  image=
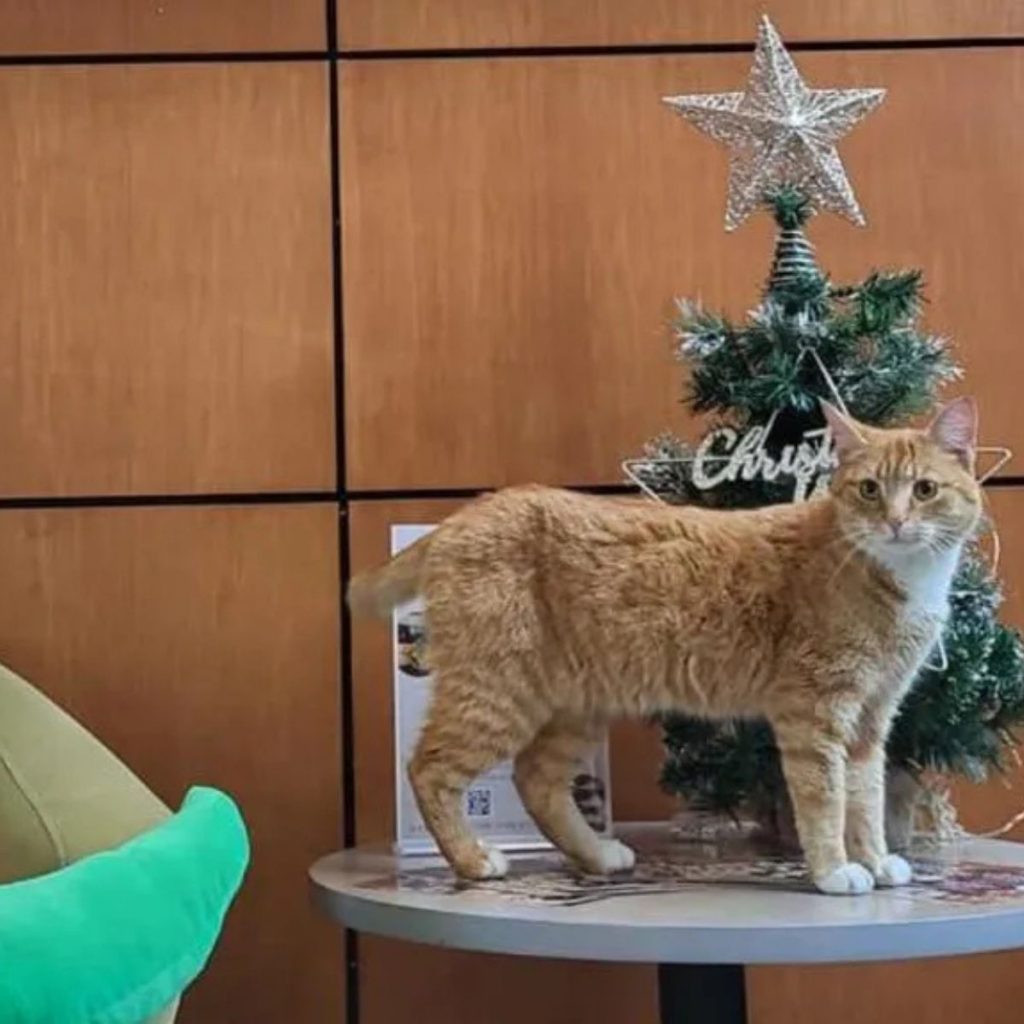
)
(790, 207)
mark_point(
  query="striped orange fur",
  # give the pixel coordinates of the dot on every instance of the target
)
(549, 613)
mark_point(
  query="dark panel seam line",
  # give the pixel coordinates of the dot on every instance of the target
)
(339, 497)
(443, 53)
(338, 341)
(337, 299)
(138, 500)
(646, 49)
(428, 493)
(352, 976)
(347, 703)
(211, 57)
(348, 779)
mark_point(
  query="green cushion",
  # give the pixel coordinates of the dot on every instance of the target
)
(116, 936)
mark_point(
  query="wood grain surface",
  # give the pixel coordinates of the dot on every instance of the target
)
(402, 983)
(515, 232)
(426, 24)
(159, 26)
(201, 645)
(984, 988)
(166, 323)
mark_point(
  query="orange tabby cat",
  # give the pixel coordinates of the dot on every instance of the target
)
(549, 613)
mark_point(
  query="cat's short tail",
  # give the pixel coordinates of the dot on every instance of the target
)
(373, 594)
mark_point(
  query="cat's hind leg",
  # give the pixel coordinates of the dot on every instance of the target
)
(470, 727)
(543, 774)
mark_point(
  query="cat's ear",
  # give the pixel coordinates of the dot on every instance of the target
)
(845, 431)
(955, 429)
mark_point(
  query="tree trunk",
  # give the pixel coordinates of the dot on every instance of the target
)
(902, 797)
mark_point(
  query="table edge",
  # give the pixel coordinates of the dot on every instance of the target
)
(657, 943)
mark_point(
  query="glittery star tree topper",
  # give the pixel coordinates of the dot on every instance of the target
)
(780, 133)
(861, 346)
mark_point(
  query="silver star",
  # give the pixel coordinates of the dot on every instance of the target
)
(779, 132)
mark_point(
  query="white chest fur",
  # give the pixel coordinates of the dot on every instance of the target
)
(924, 576)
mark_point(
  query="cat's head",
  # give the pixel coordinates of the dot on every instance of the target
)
(907, 490)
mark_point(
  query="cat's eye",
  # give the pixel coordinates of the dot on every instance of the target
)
(924, 490)
(869, 489)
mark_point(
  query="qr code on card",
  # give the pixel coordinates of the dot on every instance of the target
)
(479, 802)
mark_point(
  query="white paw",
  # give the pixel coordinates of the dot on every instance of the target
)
(893, 870)
(494, 862)
(614, 856)
(848, 880)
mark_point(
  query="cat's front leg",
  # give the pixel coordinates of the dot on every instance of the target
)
(865, 799)
(814, 761)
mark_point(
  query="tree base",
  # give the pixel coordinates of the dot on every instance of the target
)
(904, 796)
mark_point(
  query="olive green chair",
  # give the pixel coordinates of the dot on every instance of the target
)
(77, 825)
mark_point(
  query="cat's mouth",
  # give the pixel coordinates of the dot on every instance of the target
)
(902, 535)
(887, 543)
(904, 540)
(912, 544)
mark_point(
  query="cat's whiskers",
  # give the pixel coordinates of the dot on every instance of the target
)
(854, 547)
(943, 539)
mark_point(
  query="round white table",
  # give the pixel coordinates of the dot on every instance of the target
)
(699, 911)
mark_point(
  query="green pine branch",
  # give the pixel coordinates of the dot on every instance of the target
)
(959, 720)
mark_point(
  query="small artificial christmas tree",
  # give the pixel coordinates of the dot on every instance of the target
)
(760, 382)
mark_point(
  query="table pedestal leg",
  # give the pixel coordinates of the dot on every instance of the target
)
(702, 994)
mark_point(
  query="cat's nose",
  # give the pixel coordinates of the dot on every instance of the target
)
(896, 527)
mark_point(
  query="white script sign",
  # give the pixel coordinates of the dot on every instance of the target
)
(725, 455)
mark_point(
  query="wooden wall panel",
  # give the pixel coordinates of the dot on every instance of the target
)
(637, 755)
(985, 989)
(159, 26)
(400, 983)
(166, 322)
(515, 231)
(201, 645)
(404, 24)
